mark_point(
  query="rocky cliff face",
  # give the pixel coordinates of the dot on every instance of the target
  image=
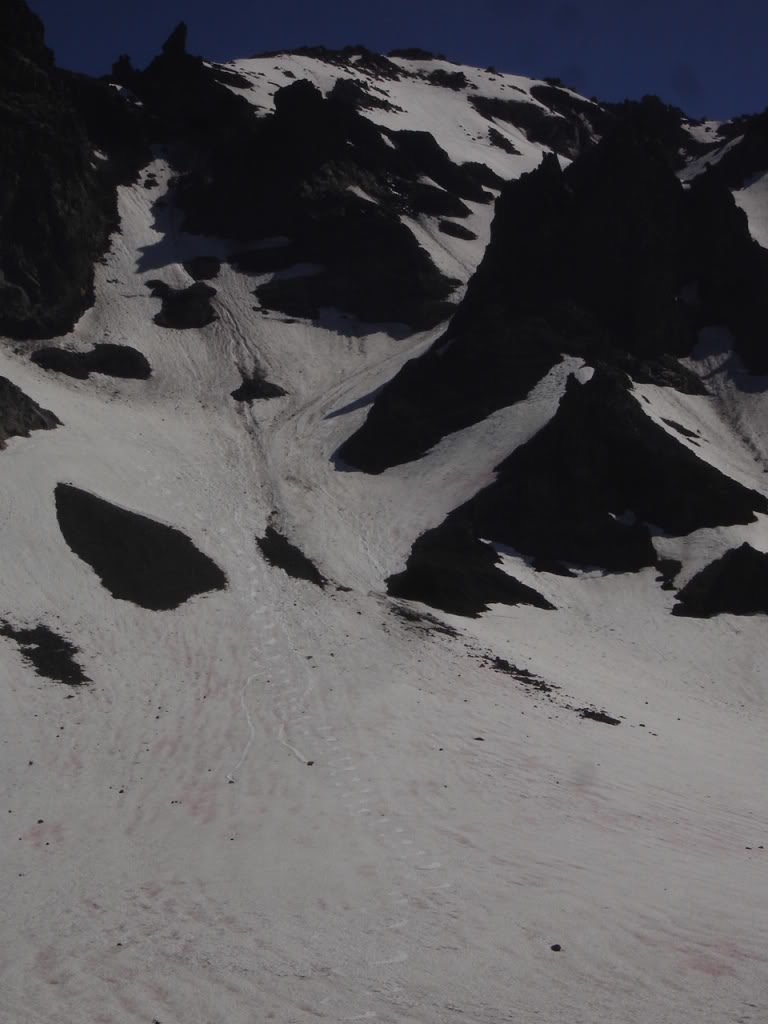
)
(57, 192)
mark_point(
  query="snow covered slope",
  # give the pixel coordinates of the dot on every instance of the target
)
(299, 799)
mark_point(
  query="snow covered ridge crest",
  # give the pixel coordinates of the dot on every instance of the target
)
(384, 567)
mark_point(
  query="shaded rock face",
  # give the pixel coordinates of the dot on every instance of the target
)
(451, 569)
(111, 360)
(57, 204)
(561, 135)
(305, 173)
(19, 415)
(736, 584)
(279, 551)
(589, 486)
(184, 308)
(136, 558)
(593, 262)
(52, 656)
(586, 491)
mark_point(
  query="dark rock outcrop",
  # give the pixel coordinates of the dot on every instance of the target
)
(136, 558)
(111, 360)
(451, 569)
(57, 201)
(52, 656)
(255, 386)
(184, 308)
(299, 173)
(598, 261)
(279, 552)
(450, 227)
(590, 486)
(19, 415)
(736, 584)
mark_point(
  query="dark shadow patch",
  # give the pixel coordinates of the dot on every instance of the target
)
(136, 558)
(736, 584)
(255, 386)
(111, 360)
(597, 716)
(280, 553)
(184, 308)
(52, 656)
(19, 415)
(449, 227)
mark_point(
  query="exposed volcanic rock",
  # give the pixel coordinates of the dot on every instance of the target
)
(52, 656)
(450, 569)
(595, 261)
(736, 584)
(279, 551)
(184, 308)
(111, 360)
(57, 204)
(588, 486)
(19, 414)
(136, 558)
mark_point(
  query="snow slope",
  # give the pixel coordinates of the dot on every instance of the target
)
(285, 803)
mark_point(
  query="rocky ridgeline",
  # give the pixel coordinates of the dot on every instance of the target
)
(57, 202)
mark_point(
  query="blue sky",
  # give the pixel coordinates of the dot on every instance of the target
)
(708, 57)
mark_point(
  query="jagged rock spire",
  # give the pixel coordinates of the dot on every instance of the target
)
(176, 43)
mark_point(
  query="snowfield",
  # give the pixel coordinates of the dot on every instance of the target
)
(292, 803)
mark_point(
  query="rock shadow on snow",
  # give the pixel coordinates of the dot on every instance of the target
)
(136, 558)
